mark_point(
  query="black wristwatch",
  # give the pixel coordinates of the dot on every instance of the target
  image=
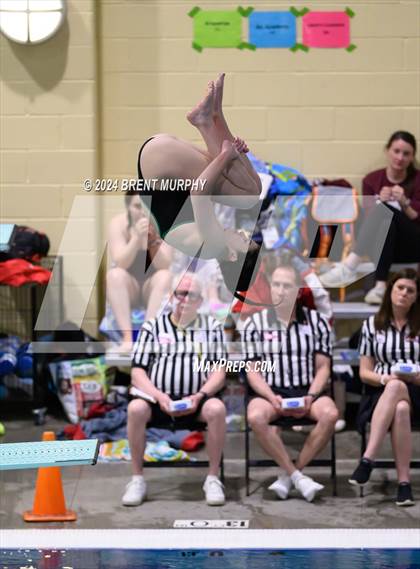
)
(204, 394)
(314, 395)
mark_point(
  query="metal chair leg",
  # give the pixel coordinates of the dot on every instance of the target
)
(333, 466)
(362, 452)
(246, 457)
(222, 469)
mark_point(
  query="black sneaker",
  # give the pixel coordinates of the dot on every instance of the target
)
(362, 473)
(404, 495)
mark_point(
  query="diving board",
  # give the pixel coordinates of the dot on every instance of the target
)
(16, 456)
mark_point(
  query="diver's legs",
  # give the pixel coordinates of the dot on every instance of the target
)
(208, 118)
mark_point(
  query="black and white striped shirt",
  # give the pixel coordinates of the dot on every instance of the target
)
(388, 346)
(171, 356)
(292, 350)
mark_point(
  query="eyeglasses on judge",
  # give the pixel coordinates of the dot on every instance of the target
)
(189, 294)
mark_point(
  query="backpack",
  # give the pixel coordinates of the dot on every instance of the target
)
(26, 243)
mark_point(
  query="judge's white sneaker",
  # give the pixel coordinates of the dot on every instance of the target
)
(135, 492)
(213, 491)
(307, 487)
(282, 486)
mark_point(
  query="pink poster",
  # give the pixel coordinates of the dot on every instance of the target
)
(326, 29)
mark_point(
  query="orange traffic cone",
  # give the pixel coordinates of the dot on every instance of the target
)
(49, 502)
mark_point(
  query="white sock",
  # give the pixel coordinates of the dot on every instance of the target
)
(296, 475)
(137, 477)
(352, 261)
(380, 285)
(283, 473)
(212, 477)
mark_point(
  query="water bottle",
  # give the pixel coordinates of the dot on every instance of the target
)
(24, 366)
(137, 319)
(8, 362)
(8, 347)
(229, 329)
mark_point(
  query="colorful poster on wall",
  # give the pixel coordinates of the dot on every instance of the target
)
(218, 28)
(326, 29)
(272, 29)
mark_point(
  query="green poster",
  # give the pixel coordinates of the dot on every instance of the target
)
(217, 28)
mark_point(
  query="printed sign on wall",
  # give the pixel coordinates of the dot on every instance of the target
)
(272, 29)
(223, 29)
(218, 28)
(327, 29)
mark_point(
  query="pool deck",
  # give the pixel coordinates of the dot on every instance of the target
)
(175, 494)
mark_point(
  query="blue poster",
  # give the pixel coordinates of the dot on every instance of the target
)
(272, 29)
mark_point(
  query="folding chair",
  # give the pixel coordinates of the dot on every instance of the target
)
(334, 206)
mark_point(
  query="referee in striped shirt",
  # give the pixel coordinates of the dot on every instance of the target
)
(390, 369)
(298, 342)
(167, 365)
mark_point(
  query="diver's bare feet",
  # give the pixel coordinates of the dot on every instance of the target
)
(202, 114)
(241, 145)
(218, 96)
(230, 149)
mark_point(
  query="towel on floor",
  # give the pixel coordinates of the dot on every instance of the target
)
(119, 450)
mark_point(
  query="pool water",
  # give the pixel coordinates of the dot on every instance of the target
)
(210, 559)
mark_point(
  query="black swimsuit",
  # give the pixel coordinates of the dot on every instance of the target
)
(166, 205)
(140, 265)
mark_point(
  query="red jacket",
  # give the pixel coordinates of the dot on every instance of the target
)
(17, 272)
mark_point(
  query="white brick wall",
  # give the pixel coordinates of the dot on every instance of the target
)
(48, 140)
(326, 112)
